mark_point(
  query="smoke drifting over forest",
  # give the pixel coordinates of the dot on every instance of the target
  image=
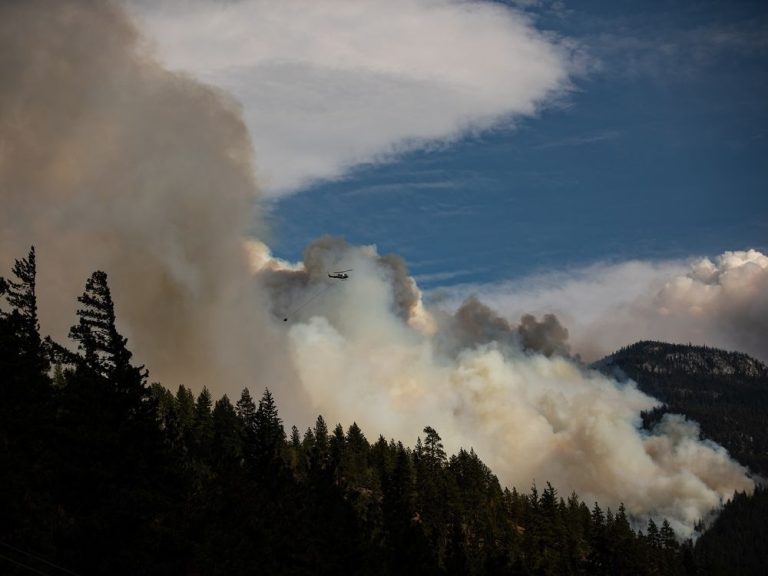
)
(109, 161)
(508, 391)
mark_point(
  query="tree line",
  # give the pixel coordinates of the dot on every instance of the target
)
(103, 473)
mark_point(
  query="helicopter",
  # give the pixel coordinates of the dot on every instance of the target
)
(340, 275)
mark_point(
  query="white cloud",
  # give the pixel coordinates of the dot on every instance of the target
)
(722, 303)
(328, 85)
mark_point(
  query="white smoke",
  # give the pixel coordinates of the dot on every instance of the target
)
(721, 302)
(528, 415)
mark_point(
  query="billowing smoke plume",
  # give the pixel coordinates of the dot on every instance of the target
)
(548, 336)
(476, 323)
(293, 288)
(722, 303)
(729, 295)
(482, 382)
(108, 161)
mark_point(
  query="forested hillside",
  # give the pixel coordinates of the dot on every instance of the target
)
(104, 474)
(726, 392)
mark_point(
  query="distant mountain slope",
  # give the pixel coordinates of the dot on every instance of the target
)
(726, 392)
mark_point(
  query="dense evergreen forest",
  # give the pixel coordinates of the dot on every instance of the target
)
(104, 474)
(736, 543)
(727, 393)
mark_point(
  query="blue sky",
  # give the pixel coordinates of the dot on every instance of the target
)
(657, 151)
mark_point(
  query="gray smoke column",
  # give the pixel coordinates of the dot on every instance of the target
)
(476, 323)
(109, 161)
(294, 289)
(547, 336)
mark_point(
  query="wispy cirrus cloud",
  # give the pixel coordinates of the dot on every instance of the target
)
(581, 139)
(663, 52)
(329, 85)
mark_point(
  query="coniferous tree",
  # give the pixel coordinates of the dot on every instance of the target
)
(308, 442)
(295, 438)
(433, 447)
(622, 558)
(337, 449)
(355, 461)
(26, 409)
(667, 537)
(227, 440)
(24, 362)
(203, 427)
(183, 420)
(356, 438)
(432, 490)
(295, 452)
(104, 350)
(318, 455)
(109, 444)
(597, 542)
(550, 532)
(21, 320)
(408, 549)
(653, 537)
(269, 432)
(246, 410)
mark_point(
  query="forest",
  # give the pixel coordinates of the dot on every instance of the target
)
(725, 392)
(105, 473)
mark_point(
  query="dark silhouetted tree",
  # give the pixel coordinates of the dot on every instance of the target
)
(104, 350)
(269, 432)
(21, 320)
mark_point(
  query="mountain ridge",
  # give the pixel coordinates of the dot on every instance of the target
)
(702, 359)
(725, 392)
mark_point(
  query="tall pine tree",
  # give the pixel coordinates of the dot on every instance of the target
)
(22, 353)
(104, 351)
(270, 435)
